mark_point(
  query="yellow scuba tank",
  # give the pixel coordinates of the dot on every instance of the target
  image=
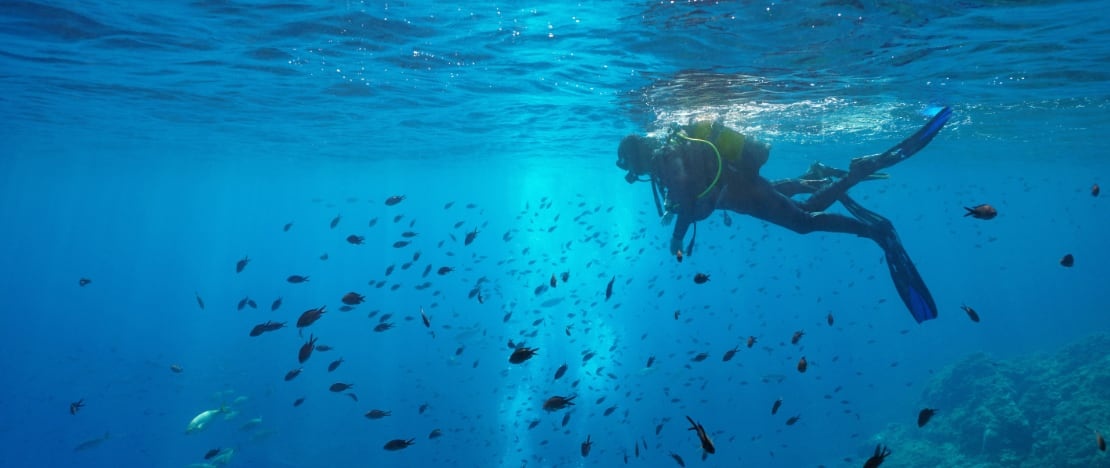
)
(729, 143)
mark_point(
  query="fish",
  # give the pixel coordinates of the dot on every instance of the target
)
(400, 244)
(436, 433)
(609, 410)
(176, 368)
(522, 354)
(423, 408)
(678, 459)
(269, 326)
(356, 240)
(306, 349)
(1101, 442)
(609, 288)
(881, 453)
(829, 319)
(398, 444)
(802, 364)
(983, 211)
(793, 419)
(377, 414)
(335, 221)
(556, 403)
(424, 318)
(701, 278)
(560, 371)
(310, 316)
(1068, 261)
(971, 314)
(91, 443)
(353, 298)
(706, 443)
(297, 279)
(340, 387)
(201, 421)
(1095, 190)
(241, 264)
(797, 336)
(298, 402)
(76, 406)
(383, 326)
(293, 374)
(650, 361)
(775, 407)
(553, 280)
(84, 282)
(211, 453)
(470, 236)
(287, 227)
(275, 305)
(586, 446)
(395, 199)
(444, 270)
(700, 357)
(751, 341)
(200, 302)
(924, 416)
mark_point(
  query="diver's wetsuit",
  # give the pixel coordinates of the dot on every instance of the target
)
(687, 169)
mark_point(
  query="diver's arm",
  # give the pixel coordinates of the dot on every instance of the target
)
(681, 225)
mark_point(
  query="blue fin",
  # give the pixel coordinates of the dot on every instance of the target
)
(915, 142)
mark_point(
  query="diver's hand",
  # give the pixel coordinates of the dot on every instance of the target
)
(676, 245)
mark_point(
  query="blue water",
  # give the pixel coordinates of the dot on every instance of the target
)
(149, 146)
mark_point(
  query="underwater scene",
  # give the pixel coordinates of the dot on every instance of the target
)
(848, 233)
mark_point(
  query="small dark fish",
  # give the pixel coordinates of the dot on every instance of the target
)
(1095, 190)
(211, 453)
(706, 443)
(276, 305)
(176, 368)
(346, 308)
(242, 303)
(306, 349)
(700, 357)
(971, 314)
(881, 453)
(83, 282)
(1101, 441)
(352, 396)
(335, 221)
(560, 371)
(200, 302)
(609, 288)
(398, 444)
(522, 354)
(436, 433)
(424, 318)
(470, 236)
(792, 420)
(355, 240)
(298, 402)
(444, 270)
(802, 364)
(533, 424)
(287, 227)
(650, 361)
(297, 279)
(423, 408)
(400, 244)
(353, 298)
(797, 336)
(377, 414)
(829, 319)
(293, 374)
(565, 276)
(678, 459)
(324, 256)
(924, 416)
(251, 303)
(775, 407)
(373, 221)
(310, 317)
(586, 446)
(751, 341)
(393, 200)
(553, 281)
(323, 348)
(701, 278)
(609, 410)
(383, 326)
(340, 387)
(983, 211)
(76, 406)
(241, 264)
(1068, 261)
(335, 364)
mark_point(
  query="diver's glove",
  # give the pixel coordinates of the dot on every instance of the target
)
(676, 245)
(667, 218)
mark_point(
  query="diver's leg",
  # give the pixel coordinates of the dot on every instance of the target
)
(911, 288)
(761, 200)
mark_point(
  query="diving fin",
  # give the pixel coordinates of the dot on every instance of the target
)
(911, 288)
(862, 168)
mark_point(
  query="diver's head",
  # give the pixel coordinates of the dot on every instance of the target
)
(634, 155)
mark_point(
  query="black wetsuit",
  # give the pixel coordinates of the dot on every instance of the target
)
(686, 169)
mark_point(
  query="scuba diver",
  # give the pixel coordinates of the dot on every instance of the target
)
(706, 166)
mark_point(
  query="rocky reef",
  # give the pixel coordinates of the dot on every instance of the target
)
(1036, 411)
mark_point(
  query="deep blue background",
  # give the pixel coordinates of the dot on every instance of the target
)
(149, 148)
